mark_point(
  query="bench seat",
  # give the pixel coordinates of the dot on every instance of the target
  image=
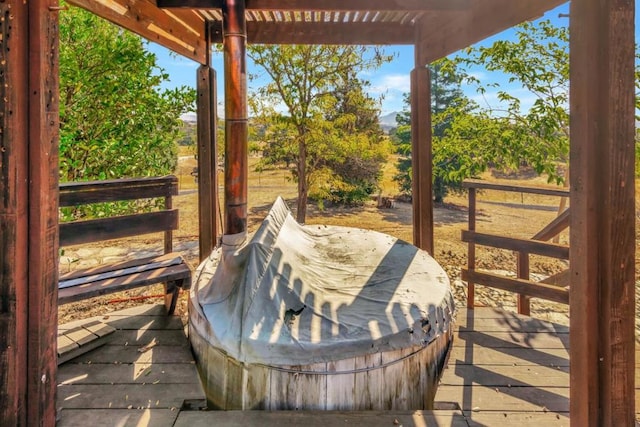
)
(170, 269)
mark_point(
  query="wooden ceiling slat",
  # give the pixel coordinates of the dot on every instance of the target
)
(146, 20)
(397, 17)
(187, 19)
(197, 15)
(406, 18)
(446, 32)
(262, 32)
(337, 5)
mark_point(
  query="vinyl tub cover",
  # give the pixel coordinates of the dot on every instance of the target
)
(295, 295)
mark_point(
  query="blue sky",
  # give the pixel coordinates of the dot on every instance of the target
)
(390, 81)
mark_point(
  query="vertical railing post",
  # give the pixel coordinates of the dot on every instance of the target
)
(524, 303)
(471, 252)
(168, 235)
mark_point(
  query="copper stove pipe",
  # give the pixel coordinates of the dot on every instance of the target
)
(234, 33)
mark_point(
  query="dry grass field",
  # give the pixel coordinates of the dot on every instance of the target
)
(508, 214)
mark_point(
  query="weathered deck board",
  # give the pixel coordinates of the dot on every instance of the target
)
(118, 417)
(501, 372)
(520, 419)
(510, 356)
(321, 418)
(144, 376)
(128, 396)
(522, 399)
(126, 373)
(508, 369)
(507, 376)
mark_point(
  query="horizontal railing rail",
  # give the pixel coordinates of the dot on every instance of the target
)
(554, 288)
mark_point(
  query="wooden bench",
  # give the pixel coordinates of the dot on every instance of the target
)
(169, 268)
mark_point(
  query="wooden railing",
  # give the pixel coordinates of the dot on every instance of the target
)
(554, 288)
(95, 230)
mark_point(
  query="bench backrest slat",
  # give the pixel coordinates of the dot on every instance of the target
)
(94, 230)
(81, 193)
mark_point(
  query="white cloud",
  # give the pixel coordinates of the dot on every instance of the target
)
(184, 64)
(391, 83)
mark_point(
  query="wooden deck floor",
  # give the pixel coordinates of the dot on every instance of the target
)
(505, 369)
(144, 376)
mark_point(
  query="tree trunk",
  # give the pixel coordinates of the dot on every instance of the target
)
(302, 183)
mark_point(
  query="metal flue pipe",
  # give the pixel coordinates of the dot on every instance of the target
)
(234, 33)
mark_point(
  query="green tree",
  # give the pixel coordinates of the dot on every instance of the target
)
(402, 142)
(447, 105)
(115, 121)
(538, 59)
(309, 81)
(358, 151)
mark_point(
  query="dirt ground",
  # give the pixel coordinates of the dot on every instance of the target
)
(508, 214)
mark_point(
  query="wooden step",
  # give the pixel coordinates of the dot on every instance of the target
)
(75, 341)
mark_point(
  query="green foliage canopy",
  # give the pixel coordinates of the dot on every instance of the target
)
(115, 121)
(538, 59)
(467, 138)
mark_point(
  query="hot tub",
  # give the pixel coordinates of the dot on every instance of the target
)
(319, 318)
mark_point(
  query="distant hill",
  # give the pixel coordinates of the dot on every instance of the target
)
(189, 117)
(388, 121)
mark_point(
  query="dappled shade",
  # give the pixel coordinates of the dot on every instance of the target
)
(296, 294)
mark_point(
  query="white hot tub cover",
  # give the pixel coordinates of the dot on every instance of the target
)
(295, 295)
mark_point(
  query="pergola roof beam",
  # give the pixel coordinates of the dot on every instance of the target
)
(184, 35)
(270, 32)
(326, 5)
(446, 32)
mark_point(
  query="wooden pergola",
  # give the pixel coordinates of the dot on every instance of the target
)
(602, 237)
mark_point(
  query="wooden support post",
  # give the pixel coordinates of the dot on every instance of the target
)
(28, 211)
(524, 302)
(602, 213)
(14, 205)
(421, 159)
(421, 156)
(415, 167)
(236, 160)
(471, 252)
(43, 211)
(207, 160)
